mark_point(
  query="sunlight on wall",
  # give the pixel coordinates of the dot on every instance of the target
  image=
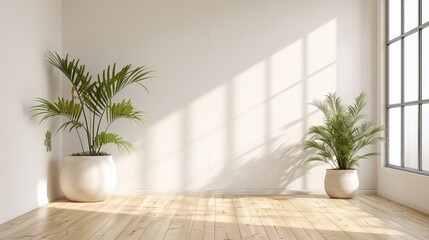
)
(322, 65)
(286, 89)
(42, 191)
(322, 47)
(165, 159)
(319, 84)
(208, 113)
(207, 147)
(244, 132)
(248, 108)
(132, 165)
(232, 82)
(286, 67)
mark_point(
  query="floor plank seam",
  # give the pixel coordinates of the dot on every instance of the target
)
(219, 217)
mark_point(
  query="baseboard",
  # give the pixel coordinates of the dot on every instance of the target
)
(405, 203)
(221, 191)
(236, 191)
(368, 192)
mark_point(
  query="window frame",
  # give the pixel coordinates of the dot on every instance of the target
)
(419, 102)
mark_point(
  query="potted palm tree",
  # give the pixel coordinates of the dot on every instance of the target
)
(339, 141)
(90, 175)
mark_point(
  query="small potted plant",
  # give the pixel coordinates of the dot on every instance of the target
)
(90, 175)
(339, 141)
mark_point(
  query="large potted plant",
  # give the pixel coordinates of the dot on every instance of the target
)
(339, 142)
(90, 175)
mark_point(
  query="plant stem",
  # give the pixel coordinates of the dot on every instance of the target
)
(93, 126)
(80, 140)
(98, 126)
(87, 130)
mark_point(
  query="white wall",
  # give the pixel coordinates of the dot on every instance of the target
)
(28, 175)
(408, 188)
(228, 104)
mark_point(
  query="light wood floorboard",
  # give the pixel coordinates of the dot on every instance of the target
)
(221, 217)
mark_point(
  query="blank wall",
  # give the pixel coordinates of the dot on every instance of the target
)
(228, 106)
(28, 175)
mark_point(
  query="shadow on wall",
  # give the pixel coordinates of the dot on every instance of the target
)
(48, 187)
(228, 107)
(53, 189)
(245, 133)
(281, 170)
(53, 180)
(234, 135)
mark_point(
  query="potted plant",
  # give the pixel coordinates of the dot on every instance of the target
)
(90, 175)
(339, 141)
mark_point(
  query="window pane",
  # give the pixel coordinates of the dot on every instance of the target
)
(425, 137)
(425, 62)
(411, 68)
(395, 72)
(394, 18)
(411, 136)
(411, 14)
(395, 136)
(425, 11)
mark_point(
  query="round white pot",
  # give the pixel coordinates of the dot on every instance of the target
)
(341, 183)
(88, 178)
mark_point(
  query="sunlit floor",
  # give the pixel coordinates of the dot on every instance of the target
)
(221, 217)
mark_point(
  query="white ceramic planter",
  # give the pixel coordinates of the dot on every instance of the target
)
(341, 183)
(88, 178)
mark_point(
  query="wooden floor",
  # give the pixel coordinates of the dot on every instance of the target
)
(221, 217)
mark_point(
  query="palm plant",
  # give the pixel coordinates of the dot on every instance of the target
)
(343, 134)
(91, 110)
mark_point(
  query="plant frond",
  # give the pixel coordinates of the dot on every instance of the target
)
(74, 71)
(62, 107)
(343, 133)
(70, 125)
(110, 82)
(104, 138)
(123, 109)
(91, 107)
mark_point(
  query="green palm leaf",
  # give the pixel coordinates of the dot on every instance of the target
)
(69, 109)
(111, 82)
(343, 133)
(91, 106)
(76, 73)
(104, 138)
(123, 109)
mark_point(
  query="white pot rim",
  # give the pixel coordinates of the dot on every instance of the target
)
(88, 155)
(70, 157)
(337, 169)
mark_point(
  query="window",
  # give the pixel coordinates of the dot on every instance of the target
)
(408, 85)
